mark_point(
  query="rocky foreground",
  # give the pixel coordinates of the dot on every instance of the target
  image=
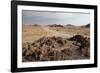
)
(56, 48)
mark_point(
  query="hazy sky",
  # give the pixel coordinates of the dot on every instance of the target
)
(37, 17)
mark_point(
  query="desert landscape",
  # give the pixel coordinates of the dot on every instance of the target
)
(55, 42)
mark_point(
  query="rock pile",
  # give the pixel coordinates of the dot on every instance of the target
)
(54, 48)
(83, 43)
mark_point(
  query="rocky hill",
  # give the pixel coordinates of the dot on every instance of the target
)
(57, 48)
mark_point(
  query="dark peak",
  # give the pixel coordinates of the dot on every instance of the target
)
(69, 25)
(55, 25)
(88, 25)
(35, 25)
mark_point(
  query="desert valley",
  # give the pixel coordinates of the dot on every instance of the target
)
(55, 42)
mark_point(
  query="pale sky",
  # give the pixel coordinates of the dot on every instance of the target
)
(46, 18)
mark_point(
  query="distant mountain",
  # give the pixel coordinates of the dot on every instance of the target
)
(56, 25)
(69, 25)
(36, 25)
(88, 25)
